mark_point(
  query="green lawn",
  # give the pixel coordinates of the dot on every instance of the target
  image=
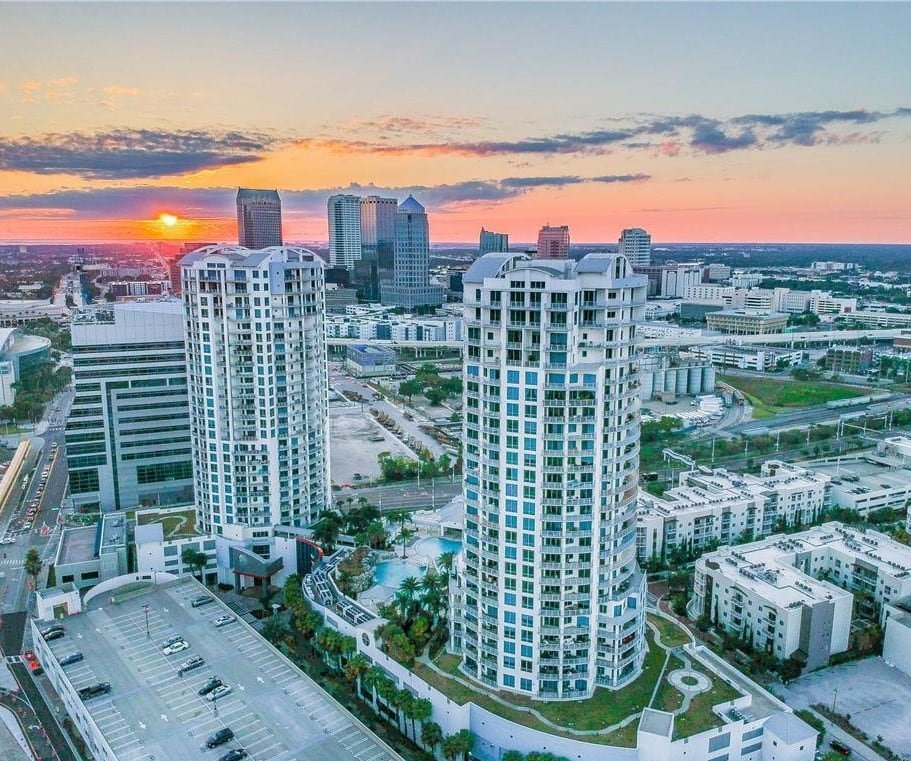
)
(177, 525)
(769, 397)
(671, 634)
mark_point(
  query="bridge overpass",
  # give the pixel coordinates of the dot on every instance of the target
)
(767, 339)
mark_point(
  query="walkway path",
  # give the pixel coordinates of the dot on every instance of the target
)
(559, 727)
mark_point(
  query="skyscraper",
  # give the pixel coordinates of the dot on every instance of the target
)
(492, 242)
(411, 286)
(636, 245)
(377, 245)
(553, 242)
(128, 432)
(259, 218)
(344, 230)
(256, 359)
(548, 599)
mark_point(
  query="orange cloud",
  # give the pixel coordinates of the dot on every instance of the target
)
(52, 90)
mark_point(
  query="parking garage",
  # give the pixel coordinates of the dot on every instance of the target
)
(153, 713)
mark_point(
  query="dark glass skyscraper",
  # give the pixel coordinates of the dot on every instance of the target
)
(259, 218)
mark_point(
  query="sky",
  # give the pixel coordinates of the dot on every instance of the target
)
(772, 122)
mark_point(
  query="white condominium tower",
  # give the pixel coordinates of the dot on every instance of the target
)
(636, 246)
(256, 359)
(548, 599)
(344, 230)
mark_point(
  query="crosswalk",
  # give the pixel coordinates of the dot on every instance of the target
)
(11, 563)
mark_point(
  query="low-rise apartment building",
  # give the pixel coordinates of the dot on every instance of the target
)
(792, 594)
(711, 507)
(744, 322)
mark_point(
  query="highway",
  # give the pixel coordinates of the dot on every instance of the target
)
(789, 339)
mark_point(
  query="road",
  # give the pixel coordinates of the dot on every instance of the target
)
(817, 415)
(406, 496)
(43, 531)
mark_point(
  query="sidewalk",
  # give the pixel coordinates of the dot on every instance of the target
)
(859, 750)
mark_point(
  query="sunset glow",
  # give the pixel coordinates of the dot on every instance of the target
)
(683, 125)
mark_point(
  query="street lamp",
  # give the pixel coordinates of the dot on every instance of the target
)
(145, 609)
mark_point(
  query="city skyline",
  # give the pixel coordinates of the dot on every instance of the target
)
(683, 125)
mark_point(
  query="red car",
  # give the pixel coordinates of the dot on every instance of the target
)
(32, 660)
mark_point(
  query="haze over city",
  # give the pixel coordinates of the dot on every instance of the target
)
(699, 122)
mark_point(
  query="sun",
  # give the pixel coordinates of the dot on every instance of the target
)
(168, 220)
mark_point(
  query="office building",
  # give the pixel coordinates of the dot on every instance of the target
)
(752, 357)
(636, 245)
(256, 357)
(670, 281)
(259, 218)
(849, 359)
(493, 243)
(377, 245)
(549, 599)
(411, 286)
(128, 431)
(791, 594)
(722, 507)
(19, 353)
(553, 242)
(344, 230)
(366, 361)
(742, 322)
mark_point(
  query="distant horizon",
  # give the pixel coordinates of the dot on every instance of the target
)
(105, 135)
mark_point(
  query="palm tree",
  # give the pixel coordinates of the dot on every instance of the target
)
(372, 680)
(401, 701)
(33, 565)
(420, 710)
(355, 669)
(464, 742)
(401, 517)
(194, 560)
(445, 563)
(431, 735)
(406, 596)
(327, 529)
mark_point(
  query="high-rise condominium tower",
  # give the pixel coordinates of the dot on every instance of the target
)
(636, 246)
(128, 432)
(553, 242)
(548, 599)
(492, 242)
(259, 218)
(256, 359)
(344, 230)
(411, 286)
(377, 245)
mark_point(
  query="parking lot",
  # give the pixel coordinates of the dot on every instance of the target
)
(877, 696)
(275, 711)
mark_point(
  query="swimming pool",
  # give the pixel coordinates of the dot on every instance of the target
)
(435, 546)
(391, 573)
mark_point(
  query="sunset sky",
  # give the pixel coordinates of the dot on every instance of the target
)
(700, 122)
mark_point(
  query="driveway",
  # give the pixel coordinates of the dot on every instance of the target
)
(877, 696)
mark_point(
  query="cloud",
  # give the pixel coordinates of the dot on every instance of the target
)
(130, 154)
(116, 91)
(147, 201)
(51, 90)
(666, 135)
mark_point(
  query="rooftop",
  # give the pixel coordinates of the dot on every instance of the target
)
(276, 712)
(77, 545)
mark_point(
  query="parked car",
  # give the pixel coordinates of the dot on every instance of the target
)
(219, 692)
(176, 647)
(220, 737)
(840, 748)
(191, 663)
(70, 659)
(223, 620)
(94, 690)
(209, 686)
(234, 755)
(172, 639)
(56, 634)
(198, 602)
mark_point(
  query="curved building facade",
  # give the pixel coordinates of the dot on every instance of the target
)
(549, 600)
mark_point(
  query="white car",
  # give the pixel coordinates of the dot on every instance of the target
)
(176, 647)
(219, 692)
(223, 620)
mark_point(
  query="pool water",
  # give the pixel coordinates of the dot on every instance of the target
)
(434, 547)
(392, 573)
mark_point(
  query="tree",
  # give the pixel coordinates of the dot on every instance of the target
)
(445, 562)
(372, 679)
(410, 388)
(401, 701)
(513, 755)
(355, 669)
(33, 565)
(327, 529)
(194, 560)
(458, 745)
(431, 735)
(420, 710)
(275, 630)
